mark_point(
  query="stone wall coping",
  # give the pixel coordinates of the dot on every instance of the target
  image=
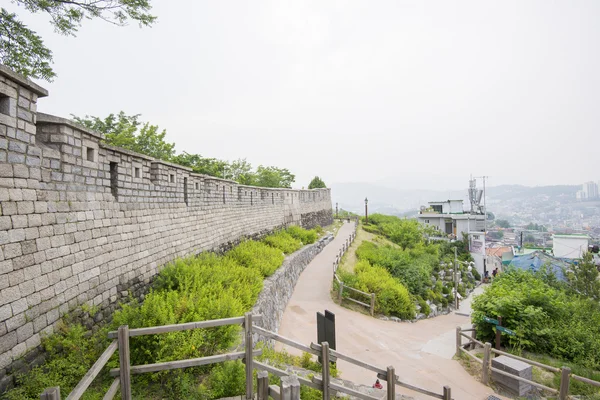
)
(23, 81)
(54, 120)
(170, 164)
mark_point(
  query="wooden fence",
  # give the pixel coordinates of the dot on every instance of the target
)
(289, 389)
(370, 297)
(565, 372)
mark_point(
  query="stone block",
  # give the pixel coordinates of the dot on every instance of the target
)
(514, 367)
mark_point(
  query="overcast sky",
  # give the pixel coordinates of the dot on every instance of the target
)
(412, 94)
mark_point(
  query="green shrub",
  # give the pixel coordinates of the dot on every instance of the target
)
(257, 255)
(227, 379)
(305, 236)
(283, 241)
(391, 297)
(70, 353)
(425, 309)
(413, 267)
(546, 319)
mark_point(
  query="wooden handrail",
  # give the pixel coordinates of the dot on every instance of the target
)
(154, 330)
(411, 387)
(349, 359)
(89, 376)
(192, 362)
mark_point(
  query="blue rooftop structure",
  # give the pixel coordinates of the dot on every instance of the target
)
(534, 261)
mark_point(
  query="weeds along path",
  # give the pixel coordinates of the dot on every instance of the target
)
(421, 352)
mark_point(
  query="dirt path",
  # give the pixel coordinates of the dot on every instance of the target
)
(421, 352)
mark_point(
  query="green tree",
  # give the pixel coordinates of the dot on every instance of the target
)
(202, 165)
(583, 277)
(274, 177)
(316, 183)
(240, 171)
(502, 223)
(122, 131)
(496, 234)
(22, 50)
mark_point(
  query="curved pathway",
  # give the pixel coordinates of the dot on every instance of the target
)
(421, 352)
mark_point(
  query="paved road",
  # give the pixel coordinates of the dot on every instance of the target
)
(421, 352)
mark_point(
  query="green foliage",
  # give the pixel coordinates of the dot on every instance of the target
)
(304, 235)
(391, 296)
(201, 165)
(407, 233)
(24, 51)
(122, 131)
(283, 241)
(535, 227)
(425, 309)
(193, 289)
(70, 353)
(316, 183)
(502, 223)
(546, 319)
(257, 255)
(227, 379)
(274, 177)
(583, 277)
(412, 267)
(496, 234)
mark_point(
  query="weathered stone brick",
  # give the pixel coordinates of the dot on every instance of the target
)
(19, 306)
(5, 223)
(25, 207)
(8, 341)
(5, 312)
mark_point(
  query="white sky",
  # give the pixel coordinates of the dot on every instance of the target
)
(414, 94)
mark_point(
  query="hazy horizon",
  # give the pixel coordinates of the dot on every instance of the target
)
(413, 94)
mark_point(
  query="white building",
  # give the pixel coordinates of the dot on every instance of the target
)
(588, 191)
(449, 218)
(570, 246)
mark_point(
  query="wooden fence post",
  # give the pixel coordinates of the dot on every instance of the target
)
(485, 371)
(262, 385)
(391, 383)
(52, 393)
(564, 383)
(248, 359)
(341, 292)
(447, 393)
(458, 341)
(124, 364)
(292, 387)
(474, 336)
(325, 368)
(372, 304)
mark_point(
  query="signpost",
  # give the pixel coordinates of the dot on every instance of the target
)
(499, 329)
(326, 329)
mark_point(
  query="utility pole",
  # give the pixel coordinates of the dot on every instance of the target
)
(455, 278)
(336, 210)
(366, 211)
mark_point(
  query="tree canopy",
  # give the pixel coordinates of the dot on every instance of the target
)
(22, 50)
(128, 132)
(502, 223)
(316, 183)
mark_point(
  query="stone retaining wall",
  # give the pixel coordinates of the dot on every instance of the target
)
(279, 287)
(82, 222)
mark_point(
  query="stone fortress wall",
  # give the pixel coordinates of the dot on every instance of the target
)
(85, 222)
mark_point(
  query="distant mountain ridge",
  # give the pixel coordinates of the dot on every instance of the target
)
(386, 200)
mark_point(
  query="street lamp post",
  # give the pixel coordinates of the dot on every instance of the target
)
(366, 211)
(336, 210)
